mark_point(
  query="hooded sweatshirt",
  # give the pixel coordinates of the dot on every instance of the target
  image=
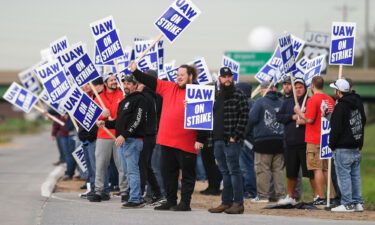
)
(347, 123)
(263, 118)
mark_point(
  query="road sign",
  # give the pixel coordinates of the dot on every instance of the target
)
(251, 62)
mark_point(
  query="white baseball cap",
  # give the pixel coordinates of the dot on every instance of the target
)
(341, 85)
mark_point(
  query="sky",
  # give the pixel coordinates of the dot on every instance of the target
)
(26, 27)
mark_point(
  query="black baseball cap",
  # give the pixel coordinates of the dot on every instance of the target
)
(224, 71)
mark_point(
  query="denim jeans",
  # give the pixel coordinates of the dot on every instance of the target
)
(228, 157)
(89, 154)
(68, 145)
(248, 172)
(348, 175)
(129, 153)
(201, 173)
(60, 147)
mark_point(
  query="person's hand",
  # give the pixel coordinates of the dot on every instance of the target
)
(300, 122)
(198, 145)
(232, 140)
(100, 123)
(106, 113)
(185, 102)
(295, 117)
(119, 140)
(297, 109)
(133, 66)
(53, 138)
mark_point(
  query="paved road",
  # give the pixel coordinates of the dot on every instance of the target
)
(24, 165)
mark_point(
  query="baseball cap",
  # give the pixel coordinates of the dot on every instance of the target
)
(130, 78)
(287, 80)
(341, 85)
(107, 75)
(299, 80)
(225, 71)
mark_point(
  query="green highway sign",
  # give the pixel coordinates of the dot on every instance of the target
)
(250, 62)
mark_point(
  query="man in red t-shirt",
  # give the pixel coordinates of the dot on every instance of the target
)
(312, 118)
(178, 145)
(105, 145)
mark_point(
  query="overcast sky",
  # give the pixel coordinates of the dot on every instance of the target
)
(29, 26)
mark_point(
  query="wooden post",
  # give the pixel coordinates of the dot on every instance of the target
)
(268, 88)
(294, 89)
(119, 76)
(340, 71)
(255, 92)
(149, 47)
(41, 110)
(329, 181)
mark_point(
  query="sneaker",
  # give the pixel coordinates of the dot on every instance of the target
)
(165, 206)
(160, 202)
(358, 207)
(319, 201)
(94, 198)
(105, 197)
(258, 200)
(132, 205)
(287, 200)
(181, 207)
(343, 208)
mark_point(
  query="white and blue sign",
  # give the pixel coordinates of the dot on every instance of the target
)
(59, 45)
(161, 55)
(107, 39)
(29, 81)
(325, 151)
(54, 80)
(71, 54)
(172, 75)
(275, 61)
(83, 70)
(301, 67)
(82, 107)
(233, 65)
(199, 109)
(57, 107)
(177, 18)
(342, 43)
(99, 61)
(287, 53)
(152, 55)
(313, 68)
(298, 44)
(204, 75)
(20, 97)
(267, 73)
(78, 155)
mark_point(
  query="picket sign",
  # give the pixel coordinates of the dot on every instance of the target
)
(118, 74)
(255, 92)
(149, 48)
(78, 155)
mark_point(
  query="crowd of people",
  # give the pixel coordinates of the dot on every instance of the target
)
(244, 156)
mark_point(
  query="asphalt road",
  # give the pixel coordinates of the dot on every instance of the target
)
(25, 165)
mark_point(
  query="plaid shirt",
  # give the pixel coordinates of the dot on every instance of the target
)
(236, 114)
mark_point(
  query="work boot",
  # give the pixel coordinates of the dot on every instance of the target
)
(235, 209)
(219, 209)
(182, 206)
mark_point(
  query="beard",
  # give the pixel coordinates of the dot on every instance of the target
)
(226, 91)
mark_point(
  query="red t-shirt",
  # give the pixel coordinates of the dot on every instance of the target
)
(171, 128)
(313, 112)
(111, 101)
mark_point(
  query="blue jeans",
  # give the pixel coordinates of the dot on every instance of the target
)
(129, 153)
(201, 173)
(89, 154)
(227, 156)
(248, 172)
(68, 145)
(348, 175)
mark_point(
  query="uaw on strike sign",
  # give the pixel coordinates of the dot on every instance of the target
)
(20, 97)
(342, 44)
(198, 110)
(177, 18)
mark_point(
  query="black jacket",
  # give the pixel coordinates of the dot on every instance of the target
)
(151, 112)
(347, 123)
(131, 117)
(89, 136)
(294, 136)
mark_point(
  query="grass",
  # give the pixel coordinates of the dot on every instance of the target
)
(15, 126)
(367, 171)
